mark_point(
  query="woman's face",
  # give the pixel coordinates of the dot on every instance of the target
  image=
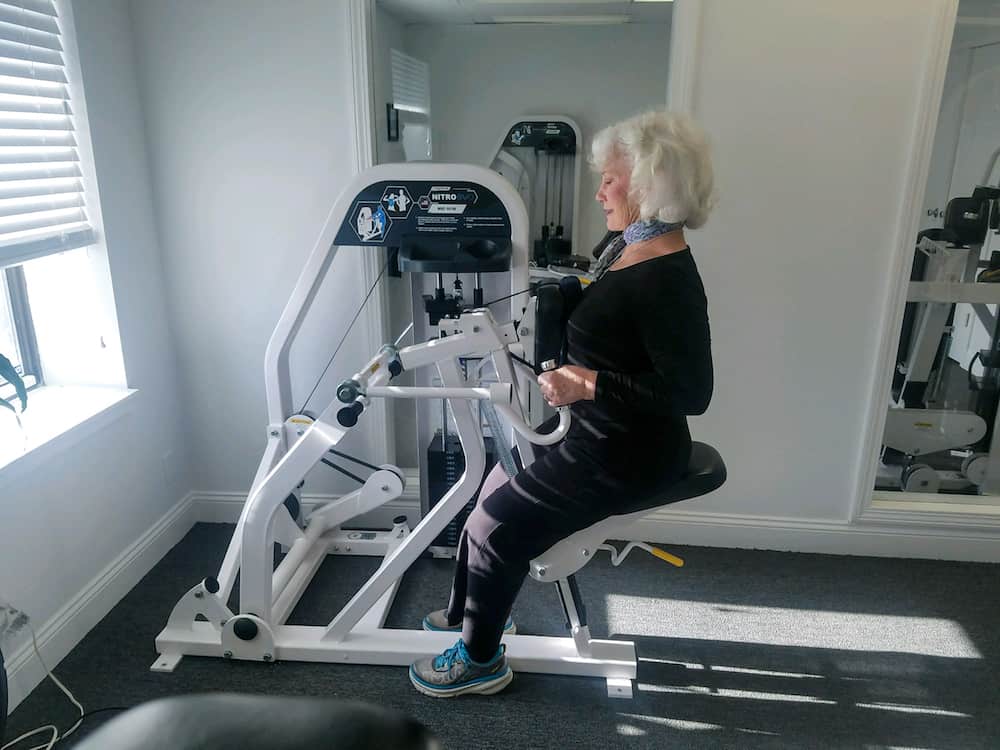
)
(613, 195)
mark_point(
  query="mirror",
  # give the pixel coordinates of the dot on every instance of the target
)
(450, 79)
(940, 435)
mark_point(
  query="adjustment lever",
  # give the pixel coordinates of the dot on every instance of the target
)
(617, 558)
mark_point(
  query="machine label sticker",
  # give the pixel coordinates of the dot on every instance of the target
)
(445, 199)
(370, 221)
(386, 212)
(437, 224)
(554, 137)
(397, 201)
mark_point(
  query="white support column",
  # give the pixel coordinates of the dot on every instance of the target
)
(257, 565)
(231, 563)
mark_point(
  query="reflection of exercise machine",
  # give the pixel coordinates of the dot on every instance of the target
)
(462, 217)
(941, 421)
(539, 156)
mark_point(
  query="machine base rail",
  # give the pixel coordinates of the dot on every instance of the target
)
(387, 647)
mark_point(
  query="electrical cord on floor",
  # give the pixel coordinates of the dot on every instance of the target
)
(56, 736)
(87, 716)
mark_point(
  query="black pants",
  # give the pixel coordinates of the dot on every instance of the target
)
(570, 487)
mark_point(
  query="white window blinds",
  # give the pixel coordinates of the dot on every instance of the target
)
(42, 206)
(411, 88)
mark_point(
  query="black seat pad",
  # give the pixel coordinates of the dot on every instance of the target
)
(706, 473)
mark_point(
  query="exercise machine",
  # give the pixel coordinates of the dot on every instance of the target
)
(437, 218)
(942, 419)
(540, 156)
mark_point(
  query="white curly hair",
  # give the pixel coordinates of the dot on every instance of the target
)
(671, 175)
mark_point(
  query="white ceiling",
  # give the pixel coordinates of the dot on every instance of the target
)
(485, 11)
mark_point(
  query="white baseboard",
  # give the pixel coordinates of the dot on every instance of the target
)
(67, 627)
(883, 535)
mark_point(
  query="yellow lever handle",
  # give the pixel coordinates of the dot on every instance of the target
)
(666, 556)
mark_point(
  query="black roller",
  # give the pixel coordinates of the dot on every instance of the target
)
(395, 367)
(211, 585)
(245, 629)
(398, 520)
(348, 416)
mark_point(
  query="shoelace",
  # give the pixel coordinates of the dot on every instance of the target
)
(450, 656)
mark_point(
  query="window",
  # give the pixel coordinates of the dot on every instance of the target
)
(42, 202)
(410, 84)
(57, 313)
(411, 96)
(17, 330)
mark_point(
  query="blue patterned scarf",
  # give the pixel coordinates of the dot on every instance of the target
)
(639, 231)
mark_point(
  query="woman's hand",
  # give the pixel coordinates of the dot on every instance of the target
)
(568, 385)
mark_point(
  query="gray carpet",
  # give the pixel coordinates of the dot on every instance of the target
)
(739, 649)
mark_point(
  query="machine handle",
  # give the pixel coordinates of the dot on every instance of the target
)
(348, 416)
(537, 438)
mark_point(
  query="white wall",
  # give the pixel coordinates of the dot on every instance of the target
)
(949, 126)
(249, 111)
(810, 154)
(63, 524)
(483, 77)
(967, 36)
(980, 132)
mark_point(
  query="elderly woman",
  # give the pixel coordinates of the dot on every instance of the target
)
(639, 362)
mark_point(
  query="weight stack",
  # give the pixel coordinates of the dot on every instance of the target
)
(445, 464)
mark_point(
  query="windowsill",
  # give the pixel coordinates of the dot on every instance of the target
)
(56, 418)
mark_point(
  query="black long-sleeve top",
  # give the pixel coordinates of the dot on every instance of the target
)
(644, 329)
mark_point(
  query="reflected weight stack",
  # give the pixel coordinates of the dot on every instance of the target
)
(445, 464)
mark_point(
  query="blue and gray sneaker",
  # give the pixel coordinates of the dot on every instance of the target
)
(437, 621)
(454, 673)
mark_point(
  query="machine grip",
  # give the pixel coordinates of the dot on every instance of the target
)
(348, 416)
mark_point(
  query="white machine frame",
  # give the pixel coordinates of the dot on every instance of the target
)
(295, 444)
